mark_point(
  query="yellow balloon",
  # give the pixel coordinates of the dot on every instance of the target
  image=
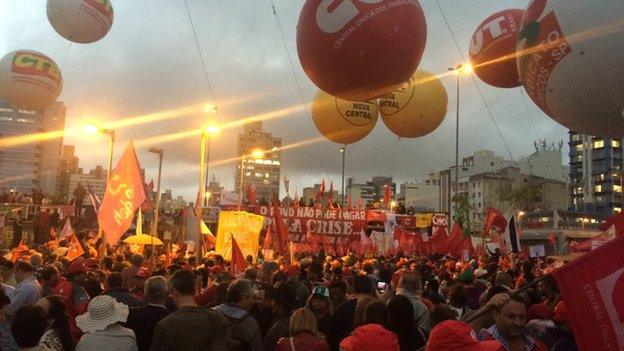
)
(343, 121)
(417, 108)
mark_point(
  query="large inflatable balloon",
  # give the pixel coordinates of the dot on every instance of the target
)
(360, 49)
(29, 79)
(342, 121)
(417, 108)
(573, 63)
(493, 46)
(81, 21)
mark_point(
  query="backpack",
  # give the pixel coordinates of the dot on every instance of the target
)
(235, 342)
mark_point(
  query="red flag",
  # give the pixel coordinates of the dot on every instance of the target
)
(280, 226)
(592, 288)
(496, 219)
(589, 244)
(439, 239)
(124, 194)
(552, 238)
(321, 192)
(238, 263)
(268, 239)
(252, 196)
(387, 194)
(330, 196)
(296, 203)
(75, 248)
(617, 221)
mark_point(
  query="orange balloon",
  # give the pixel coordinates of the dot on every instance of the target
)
(343, 121)
(416, 109)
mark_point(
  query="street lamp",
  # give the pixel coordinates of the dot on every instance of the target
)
(461, 69)
(343, 151)
(160, 153)
(95, 129)
(255, 154)
(210, 130)
(203, 179)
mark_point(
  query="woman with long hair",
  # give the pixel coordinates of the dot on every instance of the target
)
(304, 334)
(56, 336)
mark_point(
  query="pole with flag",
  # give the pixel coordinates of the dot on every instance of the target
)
(124, 194)
(512, 236)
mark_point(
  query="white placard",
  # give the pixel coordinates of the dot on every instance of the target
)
(537, 251)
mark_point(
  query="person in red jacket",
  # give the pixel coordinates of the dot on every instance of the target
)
(305, 335)
(373, 335)
(74, 295)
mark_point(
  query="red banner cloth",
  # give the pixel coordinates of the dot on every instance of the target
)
(124, 194)
(494, 219)
(592, 288)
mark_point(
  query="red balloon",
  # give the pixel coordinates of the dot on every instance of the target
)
(360, 50)
(493, 46)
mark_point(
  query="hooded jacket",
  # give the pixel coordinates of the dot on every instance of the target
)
(370, 337)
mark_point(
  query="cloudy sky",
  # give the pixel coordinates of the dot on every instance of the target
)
(149, 63)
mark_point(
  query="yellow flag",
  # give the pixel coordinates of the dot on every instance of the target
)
(244, 227)
(424, 220)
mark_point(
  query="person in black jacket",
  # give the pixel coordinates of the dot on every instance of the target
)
(143, 320)
(120, 294)
(401, 322)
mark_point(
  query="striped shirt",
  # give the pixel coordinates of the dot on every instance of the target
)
(492, 333)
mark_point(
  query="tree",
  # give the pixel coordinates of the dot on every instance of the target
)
(462, 212)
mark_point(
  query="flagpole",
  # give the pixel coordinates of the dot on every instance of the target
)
(200, 200)
(111, 143)
(154, 226)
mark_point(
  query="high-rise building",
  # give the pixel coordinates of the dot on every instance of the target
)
(596, 165)
(52, 119)
(545, 162)
(262, 172)
(311, 194)
(421, 196)
(33, 165)
(68, 166)
(368, 191)
(213, 193)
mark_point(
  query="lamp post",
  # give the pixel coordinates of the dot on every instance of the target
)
(343, 151)
(464, 68)
(256, 154)
(94, 129)
(160, 153)
(211, 129)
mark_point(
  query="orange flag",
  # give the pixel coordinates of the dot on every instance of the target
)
(124, 194)
(15, 253)
(75, 249)
(238, 263)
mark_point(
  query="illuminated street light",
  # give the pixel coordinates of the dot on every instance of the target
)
(459, 70)
(212, 129)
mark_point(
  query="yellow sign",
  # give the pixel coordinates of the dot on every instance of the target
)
(244, 227)
(424, 220)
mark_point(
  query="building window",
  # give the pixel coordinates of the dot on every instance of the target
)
(259, 175)
(598, 188)
(576, 137)
(579, 147)
(598, 144)
(617, 209)
(615, 143)
(617, 188)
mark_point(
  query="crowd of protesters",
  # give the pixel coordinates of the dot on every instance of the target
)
(130, 301)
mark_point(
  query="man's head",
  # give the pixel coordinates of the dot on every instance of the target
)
(23, 270)
(182, 284)
(337, 292)
(77, 271)
(410, 282)
(136, 260)
(511, 318)
(6, 268)
(29, 324)
(115, 280)
(49, 274)
(156, 290)
(362, 285)
(241, 293)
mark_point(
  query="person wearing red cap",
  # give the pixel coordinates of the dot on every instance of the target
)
(372, 335)
(452, 335)
(75, 296)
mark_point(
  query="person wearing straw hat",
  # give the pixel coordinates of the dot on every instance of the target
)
(101, 326)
